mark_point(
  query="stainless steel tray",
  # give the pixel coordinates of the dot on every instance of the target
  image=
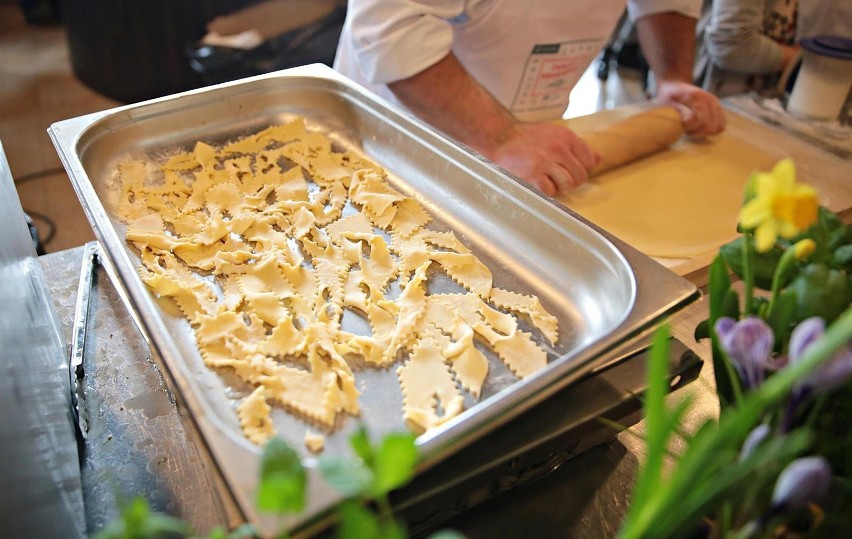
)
(605, 294)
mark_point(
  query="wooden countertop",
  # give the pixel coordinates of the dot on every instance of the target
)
(829, 174)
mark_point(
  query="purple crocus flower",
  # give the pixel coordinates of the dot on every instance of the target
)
(748, 343)
(803, 481)
(831, 373)
(753, 440)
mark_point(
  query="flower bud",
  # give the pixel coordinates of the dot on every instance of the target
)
(803, 481)
(804, 248)
(753, 440)
(748, 344)
(832, 373)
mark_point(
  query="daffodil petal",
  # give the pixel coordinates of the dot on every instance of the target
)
(803, 189)
(786, 229)
(765, 236)
(784, 173)
(754, 213)
(766, 184)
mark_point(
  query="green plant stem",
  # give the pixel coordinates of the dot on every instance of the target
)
(821, 235)
(726, 518)
(745, 532)
(748, 272)
(736, 387)
(621, 429)
(385, 510)
(788, 260)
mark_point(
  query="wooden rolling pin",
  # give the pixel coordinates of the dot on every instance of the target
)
(635, 137)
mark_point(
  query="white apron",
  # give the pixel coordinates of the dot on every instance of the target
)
(528, 54)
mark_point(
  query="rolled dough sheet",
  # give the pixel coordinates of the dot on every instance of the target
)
(679, 203)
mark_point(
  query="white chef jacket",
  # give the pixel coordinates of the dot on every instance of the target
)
(528, 54)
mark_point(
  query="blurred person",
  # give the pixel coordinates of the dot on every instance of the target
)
(750, 44)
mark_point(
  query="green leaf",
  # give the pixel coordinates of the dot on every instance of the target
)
(728, 478)
(346, 477)
(719, 283)
(395, 462)
(650, 476)
(722, 301)
(731, 304)
(447, 534)
(829, 225)
(760, 304)
(357, 522)
(393, 529)
(842, 258)
(246, 531)
(831, 221)
(821, 291)
(750, 188)
(782, 316)
(661, 425)
(360, 443)
(135, 516)
(742, 480)
(218, 533)
(138, 522)
(702, 330)
(829, 417)
(282, 479)
(830, 235)
(763, 264)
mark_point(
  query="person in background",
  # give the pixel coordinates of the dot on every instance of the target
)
(749, 44)
(493, 74)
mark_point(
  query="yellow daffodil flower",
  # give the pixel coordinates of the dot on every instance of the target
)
(780, 207)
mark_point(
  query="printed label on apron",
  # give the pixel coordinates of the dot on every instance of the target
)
(550, 72)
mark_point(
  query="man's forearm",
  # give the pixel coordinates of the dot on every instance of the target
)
(551, 157)
(668, 42)
(446, 96)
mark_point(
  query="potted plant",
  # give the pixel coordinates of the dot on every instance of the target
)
(778, 461)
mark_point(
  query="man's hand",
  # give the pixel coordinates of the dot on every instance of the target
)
(550, 157)
(668, 41)
(701, 111)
